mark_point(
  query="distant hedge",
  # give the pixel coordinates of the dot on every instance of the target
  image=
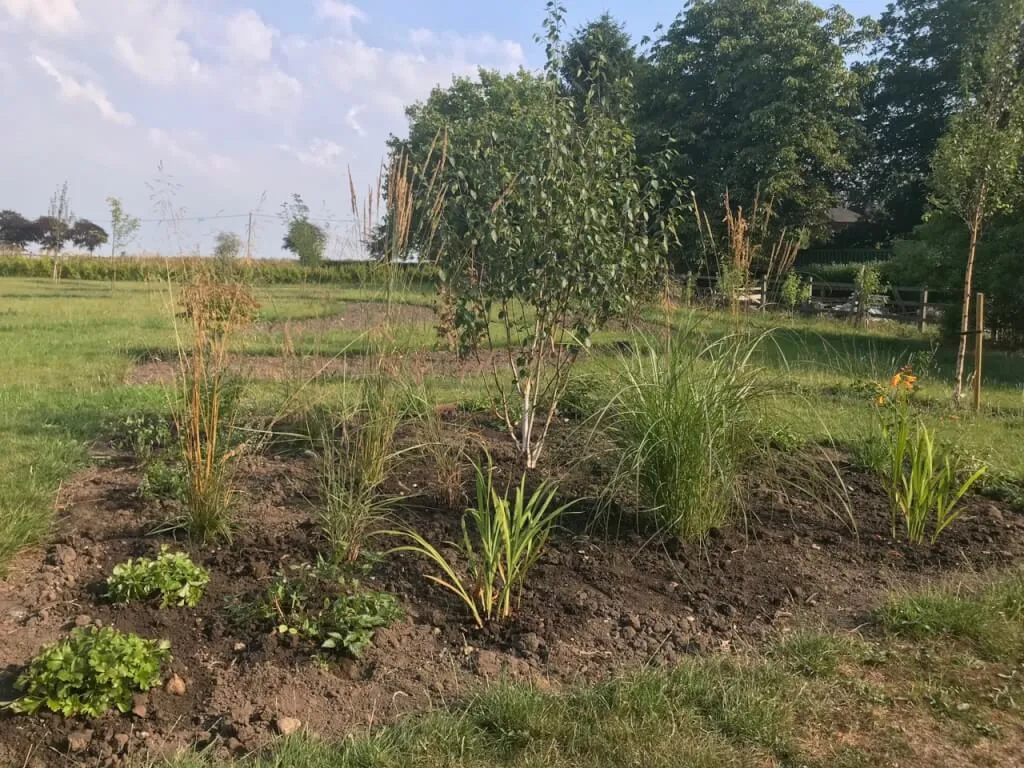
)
(259, 271)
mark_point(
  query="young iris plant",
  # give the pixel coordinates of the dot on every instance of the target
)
(507, 539)
(921, 479)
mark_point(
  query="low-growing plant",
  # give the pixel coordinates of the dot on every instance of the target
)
(91, 672)
(172, 576)
(141, 435)
(321, 607)
(685, 422)
(922, 478)
(163, 481)
(501, 541)
(353, 457)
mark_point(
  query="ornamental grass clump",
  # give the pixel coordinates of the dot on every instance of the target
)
(685, 421)
(206, 403)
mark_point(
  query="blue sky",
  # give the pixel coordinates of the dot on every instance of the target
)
(241, 101)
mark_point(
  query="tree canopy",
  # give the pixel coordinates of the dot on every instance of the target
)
(757, 95)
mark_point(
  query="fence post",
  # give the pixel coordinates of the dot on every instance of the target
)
(764, 293)
(979, 343)
(923, 319)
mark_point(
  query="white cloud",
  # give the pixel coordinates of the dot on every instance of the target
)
(340, 13)
(322, 153)
(88, 93)
(247, 37)
(351, 117)
(151, 40)
(60, 17)
(185, 151)
(269, 93)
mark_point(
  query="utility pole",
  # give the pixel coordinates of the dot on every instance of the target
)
(248, 242)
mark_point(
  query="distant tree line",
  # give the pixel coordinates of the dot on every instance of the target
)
(50, 233)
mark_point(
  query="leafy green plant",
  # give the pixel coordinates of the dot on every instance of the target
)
(141, 435)
(685, 422)
(921, 478)
(794, 292)
(174, 577)
(319, 606)
(353, 457)
(508, 536)
(867, 290)
(91, 672)
(163, 481)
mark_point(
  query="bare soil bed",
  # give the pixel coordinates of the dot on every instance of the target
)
(598, 604)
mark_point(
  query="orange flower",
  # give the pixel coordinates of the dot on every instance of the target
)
(880, 401)
(895, 380)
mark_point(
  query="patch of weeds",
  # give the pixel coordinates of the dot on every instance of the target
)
(91, 672)
(810, 655)
(323, 608)
(173, 577)
(141, 435)
(989, 618)
(163, 481)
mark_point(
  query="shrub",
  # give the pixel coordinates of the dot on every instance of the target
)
(507, 539)
(319, 607)
(794, 292)
(684, 423)
(90, 672)
(174, 577)
(921, 478)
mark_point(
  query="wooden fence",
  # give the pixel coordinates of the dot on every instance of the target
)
(906, 304)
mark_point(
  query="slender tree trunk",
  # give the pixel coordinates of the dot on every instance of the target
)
(965, 317)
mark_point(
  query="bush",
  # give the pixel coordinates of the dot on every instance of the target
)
(90, 672)
(141, 435)
(174, 577)
(508, 537)
(685, 423)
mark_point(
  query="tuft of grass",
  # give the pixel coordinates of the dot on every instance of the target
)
(989, 618)
(685, 423)
(810, 654)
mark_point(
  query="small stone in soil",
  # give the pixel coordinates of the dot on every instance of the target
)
(78, 741)
(139, 708)
(121, 741)
(287, 725)
(176, 686)
(83, 620)
(239, 647)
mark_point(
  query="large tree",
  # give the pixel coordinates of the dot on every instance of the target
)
(917, 88)
(757, 94)
(85, 234)
(600, 64)
(16, 231)
(977, 165)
